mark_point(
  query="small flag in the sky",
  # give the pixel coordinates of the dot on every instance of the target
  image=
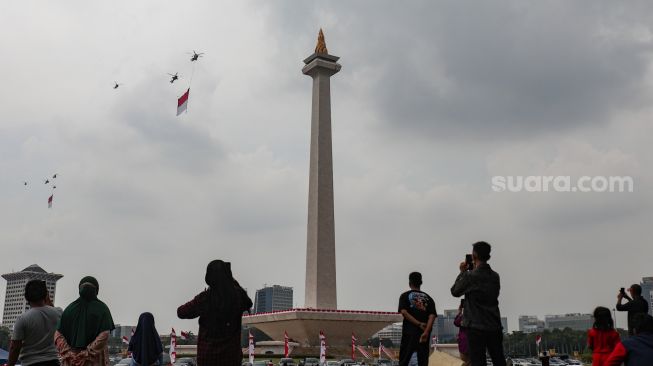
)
(50, 201)
(182, 102)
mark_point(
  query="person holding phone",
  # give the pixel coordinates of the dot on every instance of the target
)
(482, 318)
(635, 306)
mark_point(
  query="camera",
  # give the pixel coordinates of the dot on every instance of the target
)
(470, 262)
(623, 293)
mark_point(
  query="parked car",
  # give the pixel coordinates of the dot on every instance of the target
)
(287, 362)
(309, 361)
(185, 361)
(332, 363)
(263, 363)
(347, 362)
(124, 362)
(165, 359)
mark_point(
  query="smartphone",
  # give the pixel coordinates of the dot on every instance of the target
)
(470, 262)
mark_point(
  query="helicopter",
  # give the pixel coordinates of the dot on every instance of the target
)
(174, 77)
(196, 56)
(117, 85)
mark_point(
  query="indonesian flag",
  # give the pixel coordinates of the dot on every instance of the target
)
(50, 201)
(387, 353)
(538, 339)
(353, 346)
(185, 335)
(435, 342)
(251, 348)
(363, 352)
(285, 345)
(125, 340)
(323, 348)
(182, 102)
(133, 331)
(173, 345)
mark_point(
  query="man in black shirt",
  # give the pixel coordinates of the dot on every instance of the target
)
(418, 310)
(636, 306)
(482, 317)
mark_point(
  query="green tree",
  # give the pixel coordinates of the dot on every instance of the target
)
(5, 337)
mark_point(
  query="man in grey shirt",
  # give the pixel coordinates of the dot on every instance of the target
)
(33, 336)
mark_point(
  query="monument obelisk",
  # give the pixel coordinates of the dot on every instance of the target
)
(320, 246)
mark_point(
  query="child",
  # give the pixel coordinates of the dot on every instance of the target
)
(602, 338)
(462, 336)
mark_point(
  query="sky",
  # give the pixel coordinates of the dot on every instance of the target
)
(433, 100)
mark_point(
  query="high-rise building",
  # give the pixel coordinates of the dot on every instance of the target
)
(574, 321)
(273, 298)
(530, 324)
(443, 327)
(15, 303)
(504, 324)
(647, 292)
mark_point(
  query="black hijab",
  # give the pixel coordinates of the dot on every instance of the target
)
(225, 300)
(145, 345)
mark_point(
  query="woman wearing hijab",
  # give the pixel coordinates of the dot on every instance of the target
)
(219, 308)
(84, 328)
(145, 345)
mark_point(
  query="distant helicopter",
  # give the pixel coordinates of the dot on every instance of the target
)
(117, 85)
(196, 56)
(174, 77)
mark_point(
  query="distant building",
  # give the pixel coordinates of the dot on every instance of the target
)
(15, 303)
(391, 332)
(574, 321)
(504, 324)
(647, 292)
(123, 331)
(444, 328)
(530, 324)
(273, 298)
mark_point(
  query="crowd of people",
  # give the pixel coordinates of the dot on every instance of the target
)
(78, 335)
(479, 320)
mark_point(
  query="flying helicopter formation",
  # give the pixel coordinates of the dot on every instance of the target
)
(173, 77)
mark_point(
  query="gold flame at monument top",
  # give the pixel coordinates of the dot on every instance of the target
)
(321, 44)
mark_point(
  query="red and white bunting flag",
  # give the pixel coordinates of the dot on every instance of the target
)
(182, 102)
(538, 339)
(133, 331)
(323, 348)
(173, 346)
(286, 349)
(386, 352)
(185, 335)
(363, 352)
(50, 201)
(353, 346)
(434, 342)
(125, 340)
(251, 348)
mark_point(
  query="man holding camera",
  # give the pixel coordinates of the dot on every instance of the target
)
(634, 306)
(418, 310)
(481, 285)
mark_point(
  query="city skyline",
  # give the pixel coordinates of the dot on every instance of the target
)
(434, 100)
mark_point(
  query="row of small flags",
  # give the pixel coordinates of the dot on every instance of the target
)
(323, 348)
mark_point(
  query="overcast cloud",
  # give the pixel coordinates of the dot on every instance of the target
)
(433, 100)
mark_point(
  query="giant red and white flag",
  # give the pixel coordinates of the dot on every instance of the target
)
(286, 349)
(50, 201)
(323, 347)
(173, 345)
(251, 348)
(182, 102)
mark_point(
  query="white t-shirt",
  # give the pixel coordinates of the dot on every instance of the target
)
(36, 328)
